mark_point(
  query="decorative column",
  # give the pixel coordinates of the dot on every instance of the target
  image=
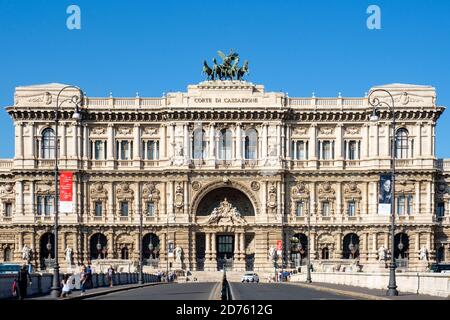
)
(137, 203)
(339, 141)
(85, 140)
(288, 142)
(187, 153)
(110, 145)
(365, 142)
(19, 141)
(279, 146)
(19, 197)
(264, 142)
(417, 198)
(63, 143)
(110, 245)
(32, 210)
(339, 211)
(211, 141)
(136, 145)
(338, 253)
(111, 200)
(163, 142)
(75, 152)
(374, 250)
(238, 143)
(213, 249)
(75, 196)
(418, 141)
(313, 142)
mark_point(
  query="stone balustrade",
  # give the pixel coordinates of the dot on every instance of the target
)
(42, 282)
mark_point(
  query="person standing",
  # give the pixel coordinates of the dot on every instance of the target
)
(83, 278)
(111, 276)
(65, 286)
(23, 278)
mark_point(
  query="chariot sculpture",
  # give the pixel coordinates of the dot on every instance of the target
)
(228, 70)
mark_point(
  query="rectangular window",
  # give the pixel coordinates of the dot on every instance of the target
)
(124, 150)
(98, 209)
(150, 209)
(410, 204)
(8, 209)
(440, 209)
(124, 209)
(351, 208)
(40, 205)
(152, 150)
(299, 209)
(326, 150)
(49, 205)
(351, 150)
(99, 151)
(401, 205)
(325, 208)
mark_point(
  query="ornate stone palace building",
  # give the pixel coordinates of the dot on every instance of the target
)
(219, 174)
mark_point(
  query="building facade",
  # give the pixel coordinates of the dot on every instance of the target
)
(221, 173)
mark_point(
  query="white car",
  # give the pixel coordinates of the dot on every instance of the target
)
(250, 277)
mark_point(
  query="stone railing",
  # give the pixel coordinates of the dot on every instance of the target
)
(5, 164)
(327, 102)
(436, 284)
(123, 102)
(42, 282)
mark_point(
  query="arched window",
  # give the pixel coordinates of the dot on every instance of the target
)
(199, 145)
(225, 144)
(251, 143)
(48, 144)
(401, 148)
(7, 254)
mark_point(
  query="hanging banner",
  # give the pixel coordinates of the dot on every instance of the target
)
(65, 192)
(385, 197)
(279, 247)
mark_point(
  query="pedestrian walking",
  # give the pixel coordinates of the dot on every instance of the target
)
(23, 278)
(89, 282)
(65, 286)
(83, 279)
(111, 276)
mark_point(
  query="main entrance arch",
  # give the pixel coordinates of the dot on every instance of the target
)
(223, 214)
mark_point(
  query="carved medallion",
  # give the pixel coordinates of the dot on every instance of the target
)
(196, 185)
(255, 186)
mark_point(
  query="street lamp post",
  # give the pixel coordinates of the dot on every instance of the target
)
(55, 289)
(376, 103)
(140, 279)
(308, 249)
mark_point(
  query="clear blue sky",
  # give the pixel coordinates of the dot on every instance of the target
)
(158, 46)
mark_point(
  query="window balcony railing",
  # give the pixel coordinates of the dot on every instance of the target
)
(151, 163)
(352, 163)
(98, 163)
(124, 163)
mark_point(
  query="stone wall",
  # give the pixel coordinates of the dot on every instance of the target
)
(435, 284)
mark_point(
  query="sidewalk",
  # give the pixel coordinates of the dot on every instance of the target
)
(90, 293)
(364, 293)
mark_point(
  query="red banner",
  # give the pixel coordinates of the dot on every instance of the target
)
(65, 191)
(279, 245)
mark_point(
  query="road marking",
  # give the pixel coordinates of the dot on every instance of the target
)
(215, 292)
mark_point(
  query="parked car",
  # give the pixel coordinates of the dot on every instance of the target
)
(250, 277)
(440, 267)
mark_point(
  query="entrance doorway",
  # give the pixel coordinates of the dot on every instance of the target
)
(225, 251)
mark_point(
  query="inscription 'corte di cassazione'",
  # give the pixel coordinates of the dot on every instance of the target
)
(226, 100)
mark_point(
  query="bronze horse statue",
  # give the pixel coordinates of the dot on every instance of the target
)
(208, 71)
(243, 71)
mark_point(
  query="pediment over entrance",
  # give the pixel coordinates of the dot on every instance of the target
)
(226, 214)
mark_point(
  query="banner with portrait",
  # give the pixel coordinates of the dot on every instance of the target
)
(385, 195)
